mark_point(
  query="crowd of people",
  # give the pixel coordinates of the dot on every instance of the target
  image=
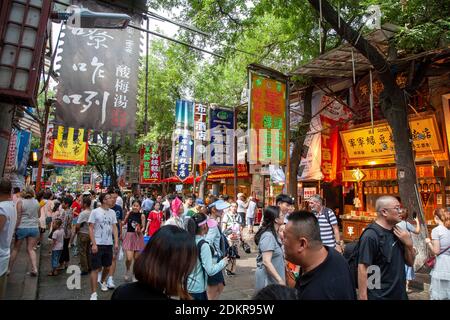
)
(300, 253)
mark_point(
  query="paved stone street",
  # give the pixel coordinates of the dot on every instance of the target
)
(239, 286)
(23, 287)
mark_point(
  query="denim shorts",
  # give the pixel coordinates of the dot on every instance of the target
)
(23, 233)
(250, 221)
(56, 254)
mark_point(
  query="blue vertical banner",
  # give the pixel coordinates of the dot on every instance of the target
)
(221, 148)
(183, 139)
(23, 151)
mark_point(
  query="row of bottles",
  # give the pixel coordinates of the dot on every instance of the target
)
(429, 186)
(389, 187)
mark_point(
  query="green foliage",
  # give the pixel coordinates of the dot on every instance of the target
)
(425, 24)
(170, 67)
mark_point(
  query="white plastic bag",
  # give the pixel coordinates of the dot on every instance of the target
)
(120, 254)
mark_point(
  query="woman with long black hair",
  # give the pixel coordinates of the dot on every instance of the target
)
(163, 268)
(270, 263)
(206, 265)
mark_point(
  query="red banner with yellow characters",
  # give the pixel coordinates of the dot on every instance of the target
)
(65, 151)
(330, 149)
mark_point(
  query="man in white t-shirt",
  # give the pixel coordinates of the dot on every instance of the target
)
(8, 217)
(251, 211)
(104, 235)
(242, 207)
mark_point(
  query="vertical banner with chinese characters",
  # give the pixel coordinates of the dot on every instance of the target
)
(200, 132)
(98, 78)
(267, 120)
(183, 140)
(221, 148)
(65, 152)
(149, 165)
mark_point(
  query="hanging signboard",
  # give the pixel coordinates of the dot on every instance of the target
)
(183, 140)
(149, 165)
(132, 168)
(221, 148)
(65, 152)
(363, 145)
(86, 178)
(267, 120)
(98, 76)
(200, 133)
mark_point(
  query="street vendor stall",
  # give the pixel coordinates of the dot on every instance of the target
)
(371, 170)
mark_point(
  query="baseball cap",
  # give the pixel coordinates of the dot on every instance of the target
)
(199, 202)
(220, 205)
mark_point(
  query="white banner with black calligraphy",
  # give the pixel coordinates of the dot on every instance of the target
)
(98, 76)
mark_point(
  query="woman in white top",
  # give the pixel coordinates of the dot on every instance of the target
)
(27, 227)
(440, 247)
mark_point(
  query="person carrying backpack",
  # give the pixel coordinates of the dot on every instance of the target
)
(218, 241)
(381, 255)
(206, 265)
(329, 229)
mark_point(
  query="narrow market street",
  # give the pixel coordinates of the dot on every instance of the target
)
(23, 287)
(235, 149)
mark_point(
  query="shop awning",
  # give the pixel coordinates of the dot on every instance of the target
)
(337, 63)
(189, 180)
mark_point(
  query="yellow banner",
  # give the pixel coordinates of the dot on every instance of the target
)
(69, 151)
(362, 144)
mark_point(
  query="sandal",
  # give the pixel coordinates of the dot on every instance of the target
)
(33, 273)
(52, 274)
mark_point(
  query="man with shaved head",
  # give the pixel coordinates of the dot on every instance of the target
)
(385, 249)
(324, 273)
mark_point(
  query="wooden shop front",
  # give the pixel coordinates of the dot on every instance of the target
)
(371, 172)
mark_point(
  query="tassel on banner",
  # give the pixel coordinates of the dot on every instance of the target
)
(85, 135)
(76, 133)
(55, 132)
(371, 99)
(95, 137)
(113, 139)
(353, 67)
(105, 137)
(65, 133)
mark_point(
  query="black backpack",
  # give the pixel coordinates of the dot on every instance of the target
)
(351, 251)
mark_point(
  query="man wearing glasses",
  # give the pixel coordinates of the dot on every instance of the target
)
(385, 248)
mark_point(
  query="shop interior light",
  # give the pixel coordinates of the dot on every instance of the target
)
(372, 163)
(35, 156)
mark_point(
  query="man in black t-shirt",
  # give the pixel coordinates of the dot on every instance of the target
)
(324, 273)
(384, 249)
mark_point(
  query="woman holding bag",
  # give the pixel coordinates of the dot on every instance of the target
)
(440, 247)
